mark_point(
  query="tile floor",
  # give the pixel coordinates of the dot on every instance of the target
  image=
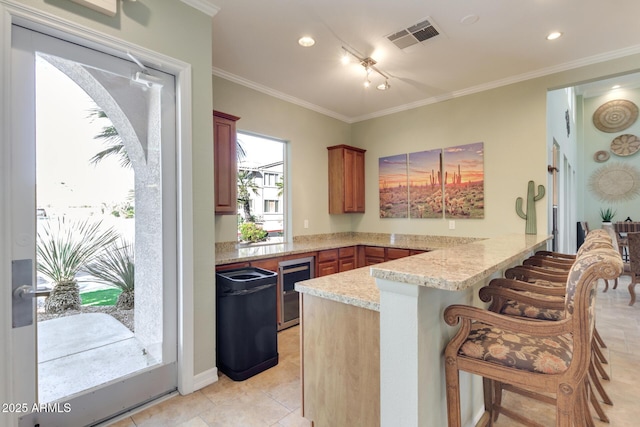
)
(272, 398)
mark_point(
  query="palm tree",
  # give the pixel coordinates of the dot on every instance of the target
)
(115, 146)
(62, 251)
(280, 185)
(109, 135)
(246, 186)
(115, 267)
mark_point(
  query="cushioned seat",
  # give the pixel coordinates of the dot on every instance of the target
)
(545, 355)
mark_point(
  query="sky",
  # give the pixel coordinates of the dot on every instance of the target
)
(261, 151)
(65, 143)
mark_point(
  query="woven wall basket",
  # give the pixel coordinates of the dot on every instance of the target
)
(615, 182)
(616, 115)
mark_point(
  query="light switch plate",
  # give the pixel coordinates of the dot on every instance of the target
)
(452, 225)
(108, 7)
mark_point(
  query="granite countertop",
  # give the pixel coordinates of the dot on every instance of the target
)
(451, 268)
(231, 252)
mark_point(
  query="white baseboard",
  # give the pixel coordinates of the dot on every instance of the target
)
(205, 378)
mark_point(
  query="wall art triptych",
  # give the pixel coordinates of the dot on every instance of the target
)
(433, 183)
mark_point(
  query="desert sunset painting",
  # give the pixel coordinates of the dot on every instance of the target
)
(392, 184)
(463, 170)
(425, 184)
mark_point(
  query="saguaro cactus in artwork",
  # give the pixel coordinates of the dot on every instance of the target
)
(532, 198)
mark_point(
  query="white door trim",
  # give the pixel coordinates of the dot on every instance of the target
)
(12, 12)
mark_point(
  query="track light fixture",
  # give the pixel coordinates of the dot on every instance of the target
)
(369, 65)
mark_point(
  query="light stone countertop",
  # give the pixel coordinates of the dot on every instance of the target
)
(231, 252)
(453, 268)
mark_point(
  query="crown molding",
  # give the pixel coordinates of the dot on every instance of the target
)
(204, 6)
(433, 100)
(276, 94)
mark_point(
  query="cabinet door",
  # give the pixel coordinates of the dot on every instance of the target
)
(395, 253)
(225, 167)
(349, 181)
(233, 266)
(373, 255)
(346, 179)
(358, 181)
(327, 267)
(354, 181)
(346, 264)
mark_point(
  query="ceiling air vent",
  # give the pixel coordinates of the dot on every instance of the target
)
(418, 33)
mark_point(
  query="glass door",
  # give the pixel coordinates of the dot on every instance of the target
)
(93, 200)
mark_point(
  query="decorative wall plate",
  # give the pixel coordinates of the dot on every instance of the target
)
(601, 156)
(616, 115)
(625, 145)
(615, 182)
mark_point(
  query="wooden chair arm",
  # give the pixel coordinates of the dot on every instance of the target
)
(530, 273)
(489, 293)
(547, 263)
(560, 262)
(518, 285)
(456, 313)
(556, 255)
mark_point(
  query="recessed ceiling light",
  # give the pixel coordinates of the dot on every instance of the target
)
(554, 35)
(306, 41)
(469, 19)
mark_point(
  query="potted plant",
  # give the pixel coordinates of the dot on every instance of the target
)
(607, 214)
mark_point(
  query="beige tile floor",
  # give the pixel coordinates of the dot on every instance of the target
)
(272, 398)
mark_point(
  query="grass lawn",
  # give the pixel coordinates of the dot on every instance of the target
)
(101, 297)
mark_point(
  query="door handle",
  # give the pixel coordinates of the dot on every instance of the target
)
(21, 293)
(24, 291)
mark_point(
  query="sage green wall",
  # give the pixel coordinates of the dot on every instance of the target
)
(596, 140)
(159, 26)
(489, 117)
(510, 120)
(308, 134)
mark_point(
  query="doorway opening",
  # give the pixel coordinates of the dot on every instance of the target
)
(99, 230)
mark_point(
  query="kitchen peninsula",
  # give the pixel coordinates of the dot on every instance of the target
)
(373, 338)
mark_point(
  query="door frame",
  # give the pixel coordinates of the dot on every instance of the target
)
(11, 13)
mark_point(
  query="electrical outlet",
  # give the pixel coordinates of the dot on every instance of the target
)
(306, 223)
(452, 225)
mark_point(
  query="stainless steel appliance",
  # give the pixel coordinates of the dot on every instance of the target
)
(289, 273)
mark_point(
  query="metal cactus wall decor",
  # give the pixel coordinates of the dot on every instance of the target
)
(530, 216)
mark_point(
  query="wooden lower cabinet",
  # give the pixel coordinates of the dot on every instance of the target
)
(396, 253)
(327, 262)
(339, 388)
(333, 261)
(373, 255)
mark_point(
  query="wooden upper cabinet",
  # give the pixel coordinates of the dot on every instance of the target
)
(346, 179)
(224, 164)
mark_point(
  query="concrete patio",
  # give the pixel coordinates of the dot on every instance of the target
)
(80, 352)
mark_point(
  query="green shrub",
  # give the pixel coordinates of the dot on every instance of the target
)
(250, 232)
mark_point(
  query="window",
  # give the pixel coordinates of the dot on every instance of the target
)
(271, 206)
(270, 179)
(261, 188)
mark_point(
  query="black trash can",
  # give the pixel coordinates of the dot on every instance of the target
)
(246, 322)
